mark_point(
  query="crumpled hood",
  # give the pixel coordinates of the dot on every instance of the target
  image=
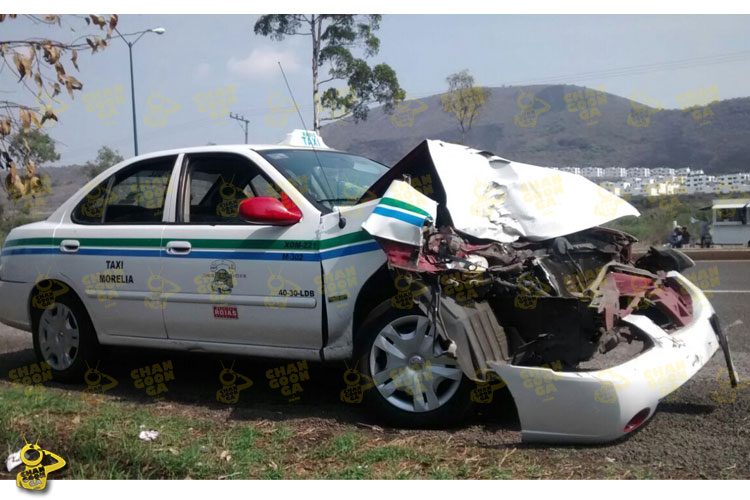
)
(488, 197)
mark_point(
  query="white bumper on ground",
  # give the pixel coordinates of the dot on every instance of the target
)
(599, 406)
(13, 306)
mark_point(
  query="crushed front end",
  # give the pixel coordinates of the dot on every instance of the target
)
(586, 338)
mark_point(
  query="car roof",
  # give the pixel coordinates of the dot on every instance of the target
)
(227, 148)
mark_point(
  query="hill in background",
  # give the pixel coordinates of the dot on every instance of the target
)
(63, 181)
(564, 125)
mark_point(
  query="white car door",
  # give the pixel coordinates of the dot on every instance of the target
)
(109, 248)
(229, 281)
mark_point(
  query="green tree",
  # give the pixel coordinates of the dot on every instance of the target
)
(105, 158)
(463, 100)
(333, 37)
(33, 145)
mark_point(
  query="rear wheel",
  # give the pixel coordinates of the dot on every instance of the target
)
(64, 337)
(411, 386)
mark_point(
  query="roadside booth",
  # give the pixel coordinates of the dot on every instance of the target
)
(730, 221)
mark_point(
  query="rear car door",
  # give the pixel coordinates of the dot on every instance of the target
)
(109, 247)
(230, 281)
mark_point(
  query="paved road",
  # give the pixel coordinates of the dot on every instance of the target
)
(702, 430)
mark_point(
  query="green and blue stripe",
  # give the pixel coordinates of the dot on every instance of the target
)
(245, 249)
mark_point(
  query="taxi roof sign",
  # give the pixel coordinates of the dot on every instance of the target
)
(304, 138)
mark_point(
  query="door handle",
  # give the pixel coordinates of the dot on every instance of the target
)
(179, 247)
(69, 246)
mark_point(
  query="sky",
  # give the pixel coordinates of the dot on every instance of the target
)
(189, 79)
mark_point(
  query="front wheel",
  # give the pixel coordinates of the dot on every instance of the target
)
(411, 387)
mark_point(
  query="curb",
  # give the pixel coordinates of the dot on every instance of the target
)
(710, 253)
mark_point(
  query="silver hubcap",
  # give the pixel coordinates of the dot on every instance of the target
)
(58, 336)
(405, 370)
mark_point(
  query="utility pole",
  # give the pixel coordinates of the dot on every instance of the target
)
(240, 118)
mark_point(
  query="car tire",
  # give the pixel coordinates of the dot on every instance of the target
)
(64, 336)
(407, 385)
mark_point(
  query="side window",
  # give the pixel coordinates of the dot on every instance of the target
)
(134, 195)
(91, 209)
(217, 185)
(731, 215)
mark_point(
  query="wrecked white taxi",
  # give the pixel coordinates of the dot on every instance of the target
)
(453, 268)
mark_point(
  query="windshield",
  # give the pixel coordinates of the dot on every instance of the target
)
(326, 177)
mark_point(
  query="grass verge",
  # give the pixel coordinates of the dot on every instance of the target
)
(98, 436)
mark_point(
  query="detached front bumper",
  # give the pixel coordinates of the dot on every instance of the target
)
(600, 406)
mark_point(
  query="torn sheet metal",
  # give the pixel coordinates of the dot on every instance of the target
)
(401, 214)
(492, 198)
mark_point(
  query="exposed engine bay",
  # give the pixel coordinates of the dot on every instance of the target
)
(511, 264)
(556, 303)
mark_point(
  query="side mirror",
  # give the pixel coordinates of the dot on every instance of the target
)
(270, 211)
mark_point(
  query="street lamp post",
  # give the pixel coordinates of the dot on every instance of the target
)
(158, 31)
